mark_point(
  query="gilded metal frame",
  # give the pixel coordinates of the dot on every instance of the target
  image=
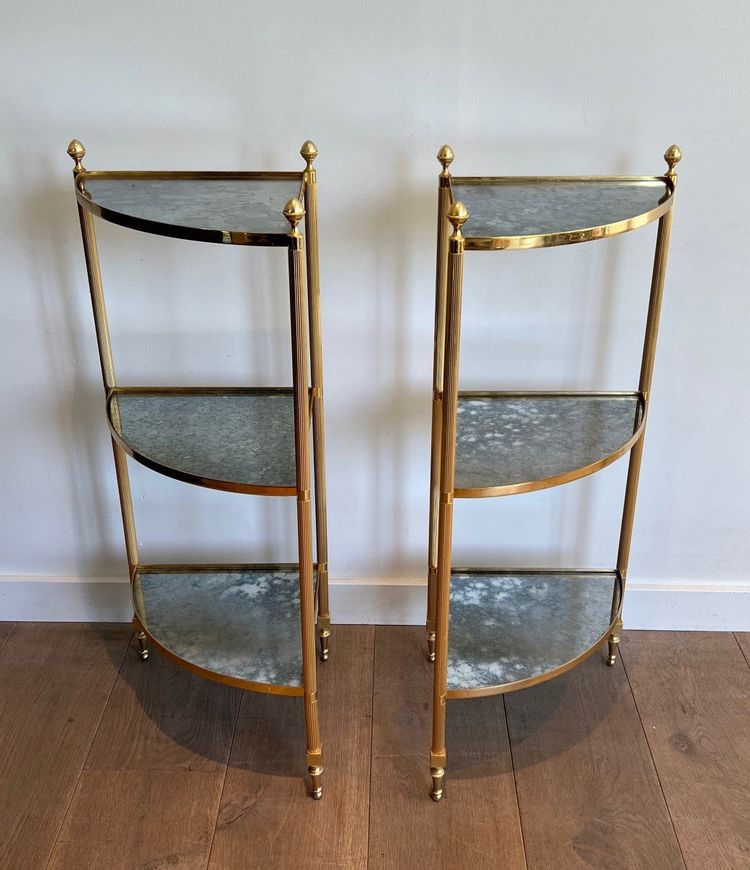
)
(307, 394)
(451, 247)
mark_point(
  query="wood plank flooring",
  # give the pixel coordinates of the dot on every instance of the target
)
(110, 762)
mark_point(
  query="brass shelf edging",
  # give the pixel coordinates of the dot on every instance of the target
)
(565, 237)
(181, 231)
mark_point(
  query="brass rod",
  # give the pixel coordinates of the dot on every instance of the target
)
(299, 326)
(457, 215)
(316, 381)
(644, 385)
(101, 326)
(673, 155)
(441, 270)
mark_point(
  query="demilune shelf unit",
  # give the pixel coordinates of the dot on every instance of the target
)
(248, 625)
(510, 629)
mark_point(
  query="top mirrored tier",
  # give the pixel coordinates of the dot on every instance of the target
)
(543, 212)
(230, 208)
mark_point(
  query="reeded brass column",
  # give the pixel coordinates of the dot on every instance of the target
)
(309, 152)
(457, 215)
(294, 213)
(445, 156)
(77, 152)
(673, 156)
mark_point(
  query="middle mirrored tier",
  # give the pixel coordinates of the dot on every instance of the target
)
(234, 439)
(510, 443)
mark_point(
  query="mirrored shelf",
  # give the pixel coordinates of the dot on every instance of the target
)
(228, 208)
(239, 440)
(238, 625)
(510, 629)
(518, 442)
(543, 212)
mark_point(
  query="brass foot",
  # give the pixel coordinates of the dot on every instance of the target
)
(324, 635)
(142, 649)
(430, 646)
(316, 781)
(437, 774)
(612, 641)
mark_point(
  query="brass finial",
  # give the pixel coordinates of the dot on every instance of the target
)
(445, 155)
(672, 155)
(294, 213)
(309, 152)
(458, 215)
(77, 152)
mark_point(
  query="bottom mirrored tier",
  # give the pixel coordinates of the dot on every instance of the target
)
(511, 630)
(238, 625)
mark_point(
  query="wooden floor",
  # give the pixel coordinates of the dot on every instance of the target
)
(109, 762)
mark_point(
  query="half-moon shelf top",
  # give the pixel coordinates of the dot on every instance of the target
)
(512, 443)
(543, 212)
(239, 208)
(229, 439)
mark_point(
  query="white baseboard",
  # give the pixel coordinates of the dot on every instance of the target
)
(678, 606)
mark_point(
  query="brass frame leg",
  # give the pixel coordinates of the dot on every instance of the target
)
(612, 641)
(140, 636)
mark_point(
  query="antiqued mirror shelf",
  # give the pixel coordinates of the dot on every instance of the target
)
(544, 212)
(240, 208)
(240, 440)
(509, 628)
(508, 443)
(237, 625)
(252, 626)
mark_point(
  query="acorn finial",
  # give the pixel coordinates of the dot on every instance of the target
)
(294, 212)
(445, 155)
(309, 152)
(77, 152)
(672, 155)
(458, 215)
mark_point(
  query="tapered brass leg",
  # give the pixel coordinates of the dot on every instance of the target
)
(612, 641)
(140, 636)
(437, 774)
(324, 635)
(316, 781)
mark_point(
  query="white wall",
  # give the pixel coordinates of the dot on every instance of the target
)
(514, 88)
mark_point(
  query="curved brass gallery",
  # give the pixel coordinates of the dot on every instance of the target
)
(263, 688)
(185, 476)
(558, 479)
(548, 675)
(550, 240)
(177, 231)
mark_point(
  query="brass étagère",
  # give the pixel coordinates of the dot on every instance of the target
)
(247, 625)
(491, 631)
